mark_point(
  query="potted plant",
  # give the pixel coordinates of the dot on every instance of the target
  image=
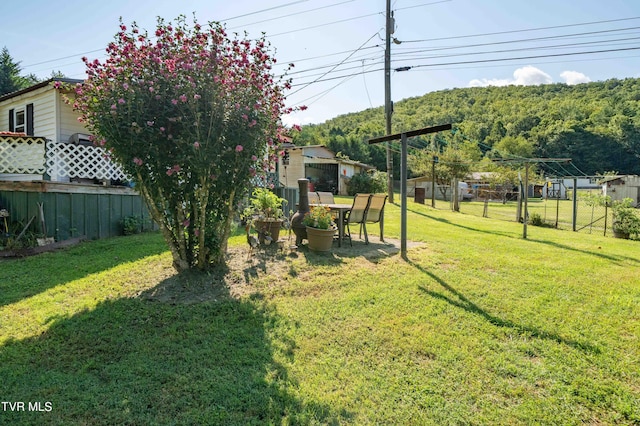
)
(265, 211)
(626, 219)
(320, 228)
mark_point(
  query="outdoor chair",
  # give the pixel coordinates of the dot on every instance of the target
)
(314, 198)
(357, 214)
(325, 197)
(375, 214)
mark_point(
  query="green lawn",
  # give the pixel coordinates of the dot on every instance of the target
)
(478, 326)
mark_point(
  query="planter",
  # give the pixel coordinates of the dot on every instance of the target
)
(268, 227)
(320, 239)
(620, 234)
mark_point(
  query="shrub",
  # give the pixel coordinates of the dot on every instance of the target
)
(192, 115)
(368, 183)
(131, 225)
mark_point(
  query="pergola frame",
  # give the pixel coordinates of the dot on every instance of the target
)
(403, 173)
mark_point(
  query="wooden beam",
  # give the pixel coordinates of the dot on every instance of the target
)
(411, 133)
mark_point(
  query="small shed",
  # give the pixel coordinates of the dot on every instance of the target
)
(620, 187)
(325, 171)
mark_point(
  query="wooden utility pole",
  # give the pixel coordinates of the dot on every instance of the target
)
(388, 106)
(403, 174)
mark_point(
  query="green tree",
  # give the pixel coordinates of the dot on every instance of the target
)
(192, 115)
(9, 73)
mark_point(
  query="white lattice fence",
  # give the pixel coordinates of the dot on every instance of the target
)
(22, 154)
(81, 161)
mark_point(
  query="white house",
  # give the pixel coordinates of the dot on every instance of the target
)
(620, 187)
(325, 171)
(42, 138)
(50, 169)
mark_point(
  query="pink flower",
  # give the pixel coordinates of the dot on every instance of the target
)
(114, 107)
(239, 148)
(137, 161)
(174, 101)
(150, 123)
(254, 158)
(196, 96)
(151, 89)
(169, 172)
(186, 223)
(125, 86)
(121, 101)
(196, 144)
(177, 168)
(183, 98)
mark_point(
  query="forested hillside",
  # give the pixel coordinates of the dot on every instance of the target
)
(597, 124)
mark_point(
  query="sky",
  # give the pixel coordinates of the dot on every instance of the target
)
(337, 46)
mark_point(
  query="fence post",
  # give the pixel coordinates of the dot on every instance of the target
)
(574, 219)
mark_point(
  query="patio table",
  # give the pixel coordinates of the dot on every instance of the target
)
(341, 209)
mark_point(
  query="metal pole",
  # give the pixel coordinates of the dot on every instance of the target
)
(433, 182)
(388, 107)
(575, 204)
(403, 197)
(526, 200)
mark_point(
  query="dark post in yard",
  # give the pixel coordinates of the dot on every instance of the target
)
(433, 181)
(403, 174)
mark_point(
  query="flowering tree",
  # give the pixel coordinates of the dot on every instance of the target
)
(191, 114)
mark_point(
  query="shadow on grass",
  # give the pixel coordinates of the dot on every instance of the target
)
(459, 300)
(26, 277)
(551, 243)
(143, 361)
(448, 222)
(611, 258)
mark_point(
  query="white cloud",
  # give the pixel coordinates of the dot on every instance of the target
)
(574, 77)
(290, 120)
(525, 76)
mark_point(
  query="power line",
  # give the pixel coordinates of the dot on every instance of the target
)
(337, 65)
(293, 14)
(523, 30)
(480, 61)
(352, 19)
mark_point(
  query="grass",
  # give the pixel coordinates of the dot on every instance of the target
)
(557, 213)
(477, 326)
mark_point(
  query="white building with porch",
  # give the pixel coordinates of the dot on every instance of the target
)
(325, 171)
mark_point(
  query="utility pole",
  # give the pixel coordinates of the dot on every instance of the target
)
(388, 106)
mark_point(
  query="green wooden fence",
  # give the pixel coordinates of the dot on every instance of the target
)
(72, 210)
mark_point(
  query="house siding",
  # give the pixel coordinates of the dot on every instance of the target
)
(43, 100)
(69, 123)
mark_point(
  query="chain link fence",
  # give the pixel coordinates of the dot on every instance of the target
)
(569, 213)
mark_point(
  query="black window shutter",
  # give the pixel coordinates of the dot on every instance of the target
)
(11, 124)
(30, 120)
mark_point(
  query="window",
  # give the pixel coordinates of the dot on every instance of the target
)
(20, 121)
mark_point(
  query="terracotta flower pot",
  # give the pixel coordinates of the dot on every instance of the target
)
(320, 239)
(270, 227)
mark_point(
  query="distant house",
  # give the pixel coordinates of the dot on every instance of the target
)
(620, 187)
(325, 171)
(442, 192)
